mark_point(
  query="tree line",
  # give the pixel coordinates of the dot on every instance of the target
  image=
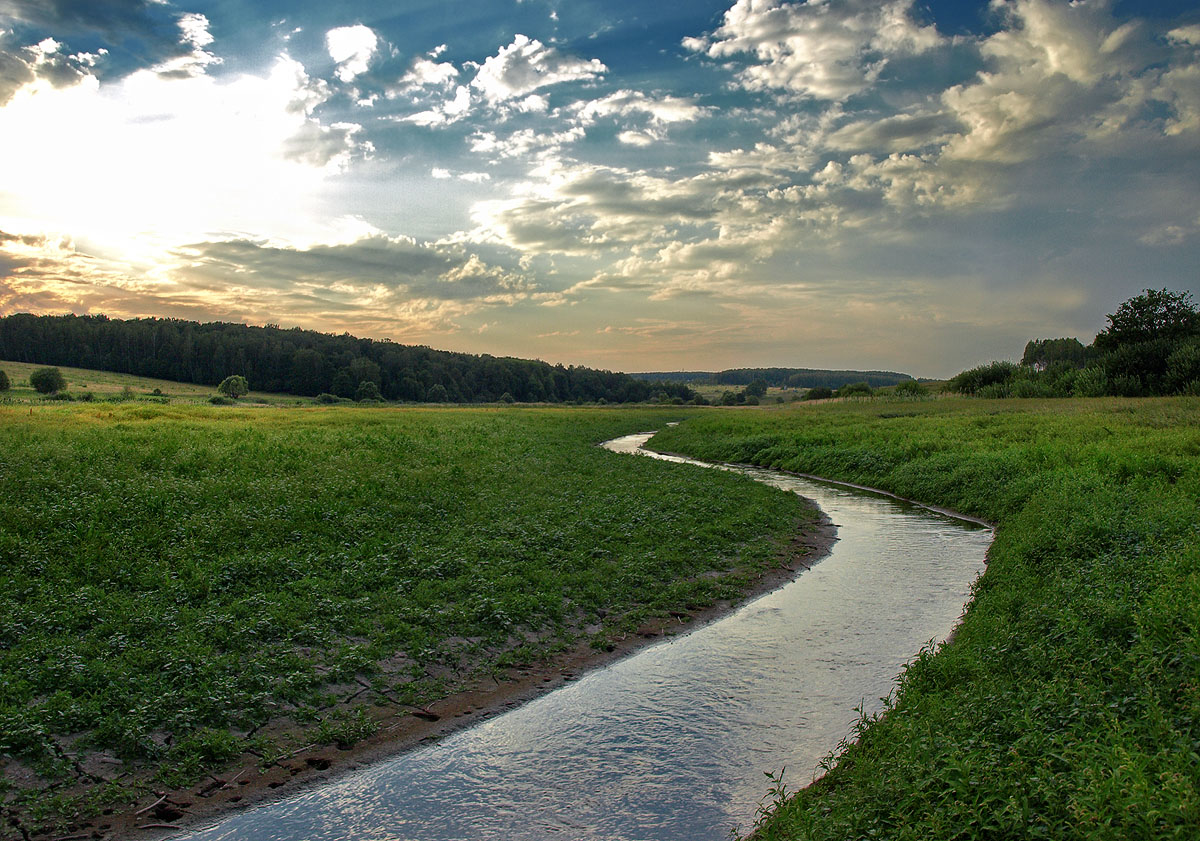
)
(1150, 347)
(308, 363)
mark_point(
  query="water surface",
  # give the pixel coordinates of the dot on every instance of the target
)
(673, 742)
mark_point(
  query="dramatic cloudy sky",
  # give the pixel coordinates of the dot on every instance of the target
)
(917, 185)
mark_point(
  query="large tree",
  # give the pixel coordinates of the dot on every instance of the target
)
(234, 386)
(1155, 314)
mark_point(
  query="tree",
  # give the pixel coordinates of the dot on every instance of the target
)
(437, 394)
(1155, 314)
(4, 383)
(234, 386)
(758, 388)
(367, 390)
(1040, 354)
(48, 380)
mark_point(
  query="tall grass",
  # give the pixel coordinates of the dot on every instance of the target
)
(176, 581)
(1068, 705)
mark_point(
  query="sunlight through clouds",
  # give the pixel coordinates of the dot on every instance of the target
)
(799, 171)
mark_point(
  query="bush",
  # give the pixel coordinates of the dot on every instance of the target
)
(86, 397)
(326, 397)
(818, 393)
(973, 380)
(1090, 382)
(911, 388)
(47, 380)
(4, 383)
(437, 394)
(219, 400)
(855, 390)
(59, 395)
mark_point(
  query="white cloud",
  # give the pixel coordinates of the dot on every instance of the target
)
(823, 50)
(526, 65)
(448, 111)
(661, 110)
(428, 73)
(351, 48)
(150, 161)
(195, 37)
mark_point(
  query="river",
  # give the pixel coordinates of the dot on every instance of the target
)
(674, 742)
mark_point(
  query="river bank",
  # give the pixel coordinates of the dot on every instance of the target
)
(401, 728)
(1064, 708)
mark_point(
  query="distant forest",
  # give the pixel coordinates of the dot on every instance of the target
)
(307, 363)
(780, 377)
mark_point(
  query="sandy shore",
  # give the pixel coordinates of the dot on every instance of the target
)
(402, 728)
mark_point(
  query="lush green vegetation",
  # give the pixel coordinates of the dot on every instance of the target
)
(780, 377)
(304, 362)
(182, 584)
(1151, 346)
(1068, 705)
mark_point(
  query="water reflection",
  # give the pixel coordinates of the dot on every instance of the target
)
(673, 742)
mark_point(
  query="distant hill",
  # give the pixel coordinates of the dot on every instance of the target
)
(306, 362)
(778, 377)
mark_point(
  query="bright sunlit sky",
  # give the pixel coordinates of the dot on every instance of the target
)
(682, 184)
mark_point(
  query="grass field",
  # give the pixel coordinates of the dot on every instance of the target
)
(179, 583)
(1068, 705)
(106, 385)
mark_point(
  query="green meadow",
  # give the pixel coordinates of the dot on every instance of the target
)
(187, 587)
(1068, 704)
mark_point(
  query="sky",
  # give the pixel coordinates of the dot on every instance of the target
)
(910, 185)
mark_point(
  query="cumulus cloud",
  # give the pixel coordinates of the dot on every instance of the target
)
(193, 62)
(170, 42)
(527, 65)
(828, 51)
(351, 48)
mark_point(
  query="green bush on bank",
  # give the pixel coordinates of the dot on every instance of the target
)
(1068, 706)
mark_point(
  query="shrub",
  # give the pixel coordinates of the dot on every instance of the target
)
(911, 388)
(995, 391)
(1090, 382)
(818, 393)
(47, 380)
(861, 389)
(1183, 368)
(219, 400)
(506, 398)
(326, 397)
(437, 394)
(4, 383)
(973, 380)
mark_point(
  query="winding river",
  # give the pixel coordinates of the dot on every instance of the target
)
(674, 741)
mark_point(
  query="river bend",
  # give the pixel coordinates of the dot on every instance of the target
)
(674, 741)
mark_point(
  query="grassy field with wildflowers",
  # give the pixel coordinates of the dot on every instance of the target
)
(186, 587)
(1068, 704)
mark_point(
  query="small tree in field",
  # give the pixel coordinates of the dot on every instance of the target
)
(48, 380)
(234, 386)
(4, 383)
